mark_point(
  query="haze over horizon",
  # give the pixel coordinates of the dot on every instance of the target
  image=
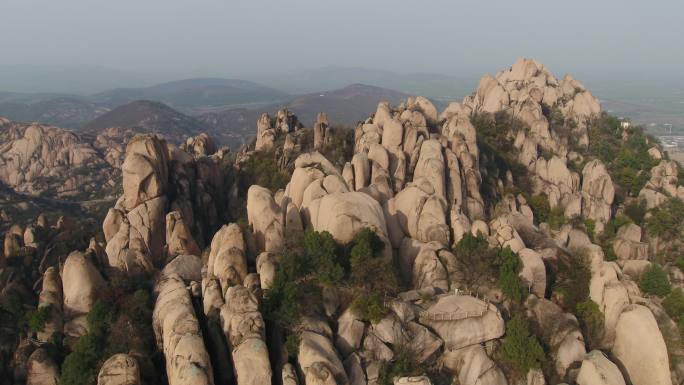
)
(156, 40)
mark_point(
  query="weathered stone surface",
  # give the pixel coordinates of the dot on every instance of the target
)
(640, 348)
(461, 320)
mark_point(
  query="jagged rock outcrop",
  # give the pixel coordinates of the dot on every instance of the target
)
(663, 183)
(627, 244)
(36, 159)
(598, 193)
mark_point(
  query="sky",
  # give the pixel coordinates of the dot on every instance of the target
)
(249, 38)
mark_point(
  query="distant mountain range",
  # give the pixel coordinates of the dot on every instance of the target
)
(190, 94)
(227, 109)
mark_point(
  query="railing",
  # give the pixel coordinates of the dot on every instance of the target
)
(455, 315)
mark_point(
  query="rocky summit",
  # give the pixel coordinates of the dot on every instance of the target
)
(520, 236)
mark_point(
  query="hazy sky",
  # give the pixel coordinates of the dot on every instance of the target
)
(239, 37)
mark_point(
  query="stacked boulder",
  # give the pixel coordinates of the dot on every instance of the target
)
(268, 128)
(229, 302)
(135, 228)
(178, 334)
(663, 184)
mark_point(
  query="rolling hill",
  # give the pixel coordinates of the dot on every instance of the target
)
(148, 116)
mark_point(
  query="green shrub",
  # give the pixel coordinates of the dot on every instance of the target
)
(674, 304)
(572, 280)
(369, 307)
(591, 321)
(81, 366)
(540, 207)
(590, 227)
(636, 211)
(402, 365)
(475, 260)
(38, 318)
(520, 348)
(654, 281)
(509, 265)
(261, 169)
(679, 262)
(292, 345)
(322, 250)
(667, 220)
(556, 218)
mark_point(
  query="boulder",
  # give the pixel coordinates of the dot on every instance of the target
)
(82, 284)
(179, 238)
(266, 219)
(145, 170)
(640, 349)
(462, 320)
(596, 369)
(119, 369)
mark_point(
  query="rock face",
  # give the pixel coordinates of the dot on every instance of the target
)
(640, 348)
(119, 369)
(51, 296)
(598, 193)
(663, 183)
(179, 336)
(37, 159)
